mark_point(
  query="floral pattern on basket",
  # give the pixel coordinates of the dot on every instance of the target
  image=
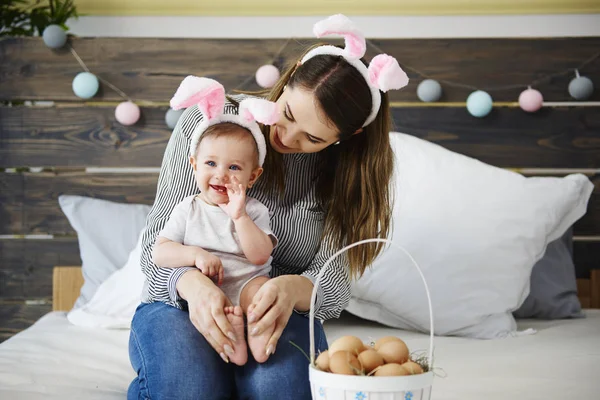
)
(362, 395)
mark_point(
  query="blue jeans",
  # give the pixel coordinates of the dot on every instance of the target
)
(174, 361)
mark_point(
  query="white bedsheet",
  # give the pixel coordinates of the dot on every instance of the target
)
(56, 360)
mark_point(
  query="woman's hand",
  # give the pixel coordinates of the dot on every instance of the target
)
(206, 303)
(274, 303)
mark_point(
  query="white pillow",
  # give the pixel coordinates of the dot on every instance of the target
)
(107, 232)
(475, 230)
(115, 301)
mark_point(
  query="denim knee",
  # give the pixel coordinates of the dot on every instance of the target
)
(172, 359)
(285, 374)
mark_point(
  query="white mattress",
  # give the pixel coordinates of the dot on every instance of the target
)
(56, 360)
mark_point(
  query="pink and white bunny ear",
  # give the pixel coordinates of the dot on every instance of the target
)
(259, 110)
(385, 73)
(207, 93)
(339, 24)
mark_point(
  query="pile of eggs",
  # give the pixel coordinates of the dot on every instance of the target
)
(388, 356)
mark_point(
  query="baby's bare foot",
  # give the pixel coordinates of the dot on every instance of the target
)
(258, 343)
(236, 319)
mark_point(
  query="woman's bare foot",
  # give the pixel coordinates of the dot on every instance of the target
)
(240, 350)
(258, 344)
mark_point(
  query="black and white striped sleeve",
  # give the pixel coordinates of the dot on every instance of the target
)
(333, 293)
(175, 182)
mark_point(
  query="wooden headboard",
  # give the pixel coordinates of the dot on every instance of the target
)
(77, 147)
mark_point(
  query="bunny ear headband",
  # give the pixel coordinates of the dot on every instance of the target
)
(383, 72)
(209, 95)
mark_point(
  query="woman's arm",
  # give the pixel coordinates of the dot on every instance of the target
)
(175, 183)
(276, 299)
(333, 294)
(206, 303)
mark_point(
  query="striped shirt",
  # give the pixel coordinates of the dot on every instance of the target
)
(297, 220)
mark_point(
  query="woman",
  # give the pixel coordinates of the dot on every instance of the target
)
(326, 184)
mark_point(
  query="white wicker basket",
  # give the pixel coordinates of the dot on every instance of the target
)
(329, 386)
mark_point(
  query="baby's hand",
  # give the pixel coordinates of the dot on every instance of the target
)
(236, 208)
(210, 265)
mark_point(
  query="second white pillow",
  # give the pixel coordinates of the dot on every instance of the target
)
(476, 231)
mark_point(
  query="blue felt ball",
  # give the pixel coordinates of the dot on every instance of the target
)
(172, 116)
(54, 36)
(85, 85)
(479, 103)
(581, 88)
(429, 90)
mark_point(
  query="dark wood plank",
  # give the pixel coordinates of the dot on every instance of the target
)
(151, 69)
(29, 202)
(26, 265)
(17, 316)
(80, 137)
(589, 224)
(508, 137)
(587, 258)
(494, 63)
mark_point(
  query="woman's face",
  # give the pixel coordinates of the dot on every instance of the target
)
(302, 126)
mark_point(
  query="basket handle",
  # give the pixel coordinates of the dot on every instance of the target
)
(321, 273)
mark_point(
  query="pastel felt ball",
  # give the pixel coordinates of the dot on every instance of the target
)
(172, 116)
(531, 100)
(85, 85)
(479, 103)
(581, 88)
(429, 90)
(127, 113)
(267, 76)
(54, 36)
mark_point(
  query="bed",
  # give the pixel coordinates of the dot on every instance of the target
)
(55, 360)
(77, 148)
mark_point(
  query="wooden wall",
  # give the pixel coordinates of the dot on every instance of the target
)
(48, 151)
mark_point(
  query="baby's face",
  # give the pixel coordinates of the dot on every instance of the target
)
(219, 159)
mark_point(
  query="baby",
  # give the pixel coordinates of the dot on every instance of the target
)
(227, 233)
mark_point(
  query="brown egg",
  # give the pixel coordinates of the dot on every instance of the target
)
(383, 340)
(345, 363)
(323, 361)
(370, 359)
(412, 368)
(394, 351)
(392, 369)
(348, 343)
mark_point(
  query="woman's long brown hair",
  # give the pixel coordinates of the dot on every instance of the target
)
(354, 185)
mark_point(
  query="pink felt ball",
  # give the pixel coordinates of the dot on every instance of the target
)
(127, 113)
(267, 76)
(531, 100)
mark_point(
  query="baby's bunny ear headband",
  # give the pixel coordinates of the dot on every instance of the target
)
(209, 95)
(383, 72)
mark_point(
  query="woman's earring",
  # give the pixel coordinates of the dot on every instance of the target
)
(284, 87)
(336, 143)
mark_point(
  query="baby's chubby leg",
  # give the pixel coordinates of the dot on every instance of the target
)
(257, 344)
